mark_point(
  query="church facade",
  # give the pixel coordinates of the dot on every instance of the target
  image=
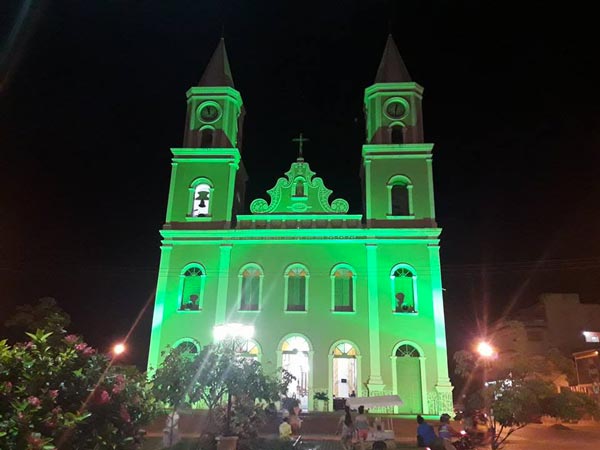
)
(348, 303)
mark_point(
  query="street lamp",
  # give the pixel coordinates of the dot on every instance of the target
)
(119, 349)
(485, 350)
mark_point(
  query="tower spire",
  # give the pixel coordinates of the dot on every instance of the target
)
(391, 68)
(218, 72)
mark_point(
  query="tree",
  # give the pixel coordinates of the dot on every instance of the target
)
(235, 389)
(43, 315)
(66, 395)
(514, 404)
(523, 392)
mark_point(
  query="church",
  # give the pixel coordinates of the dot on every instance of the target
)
(350, 304)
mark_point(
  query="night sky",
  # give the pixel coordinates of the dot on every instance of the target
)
(93, 97)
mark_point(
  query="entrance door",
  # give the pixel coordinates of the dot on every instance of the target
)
(344, 370)
(408, 370)
(295, 360)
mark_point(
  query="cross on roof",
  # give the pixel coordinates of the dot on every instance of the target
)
(300, 140)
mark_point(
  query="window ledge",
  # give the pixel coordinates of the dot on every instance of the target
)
(335, 311)
(391, 217)
(291, 311)
(187, 311)
(198, 218)
(402, 313)
(248, 310)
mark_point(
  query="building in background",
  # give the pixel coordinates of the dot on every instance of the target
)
(345, 302)
(556, 321)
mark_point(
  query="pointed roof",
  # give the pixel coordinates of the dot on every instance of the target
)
(391, 68)
(218, 72)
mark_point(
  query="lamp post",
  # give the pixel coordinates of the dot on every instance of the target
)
(487, 353)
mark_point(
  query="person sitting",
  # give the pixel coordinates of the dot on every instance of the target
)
(285, 430)
(425, 433)
(446, 432)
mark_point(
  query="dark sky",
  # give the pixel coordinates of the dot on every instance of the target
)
(94, 96)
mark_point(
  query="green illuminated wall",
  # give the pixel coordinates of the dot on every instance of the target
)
(308, 225)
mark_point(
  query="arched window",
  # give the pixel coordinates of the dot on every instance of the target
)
(406, 350)
(187, 346)
(248, 349)
(201, 203)
(397, 134)
(250, 288)
(400, 196)
(299, 190)
(400, 200)
(297, 287)
(343, 289)
(404, 289)
(206, 137)
(192, 286)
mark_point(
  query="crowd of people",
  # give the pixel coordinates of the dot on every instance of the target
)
(356, 431)
(447, 438)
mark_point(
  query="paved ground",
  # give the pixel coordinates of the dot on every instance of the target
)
(544, 437)
(319, 434)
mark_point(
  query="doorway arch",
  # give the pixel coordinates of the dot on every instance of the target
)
(408, 375)
(295, 354)
(344, 364)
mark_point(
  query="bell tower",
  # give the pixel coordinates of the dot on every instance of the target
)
(208, 177)
(396, 172)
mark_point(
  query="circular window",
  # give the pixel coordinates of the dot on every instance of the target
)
(209, 112)
(396, 108)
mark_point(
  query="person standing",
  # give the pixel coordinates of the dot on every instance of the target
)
(362, 426)
(347, 429)
(171, 431)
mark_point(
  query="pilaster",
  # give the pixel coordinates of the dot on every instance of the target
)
(441, 350)
(375, 382)
(224, 263)
(159, 308)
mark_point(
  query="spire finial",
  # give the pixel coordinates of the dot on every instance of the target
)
(392, 68)
(218, 72)
(300, 140)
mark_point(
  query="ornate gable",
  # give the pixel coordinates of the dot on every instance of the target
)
(300, 192)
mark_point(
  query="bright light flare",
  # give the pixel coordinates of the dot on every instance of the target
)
(485, 350)
(233, 330)
(119, 349)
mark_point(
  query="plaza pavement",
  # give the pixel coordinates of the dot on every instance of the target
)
(318, 432)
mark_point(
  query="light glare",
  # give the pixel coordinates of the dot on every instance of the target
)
(485, 350)
(119, 348)
(233, 330)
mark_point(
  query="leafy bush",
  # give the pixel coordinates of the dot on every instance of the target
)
(321, 395)
(64, 394)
